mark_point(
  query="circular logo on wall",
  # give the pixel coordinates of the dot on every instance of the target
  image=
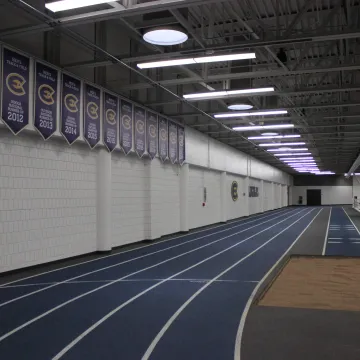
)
(234, 191)
(163, 134)
(92, 110)
(140, 126)
(111, 116)
(152, 130)
(71, 102)
(126, 121)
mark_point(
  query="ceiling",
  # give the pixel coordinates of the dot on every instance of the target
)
(318, 82)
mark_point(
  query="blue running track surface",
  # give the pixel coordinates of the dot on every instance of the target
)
(343, 236)
(178, 299)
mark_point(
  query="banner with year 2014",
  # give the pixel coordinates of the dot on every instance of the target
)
(46, 105)
(70, 108)
(173, 143)
(126, 126)
(92, 115)
(181, 144)
(15, 90)
(163, 139)
(151, 133)
(139, 135)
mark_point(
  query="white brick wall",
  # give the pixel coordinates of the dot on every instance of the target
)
(47, 200)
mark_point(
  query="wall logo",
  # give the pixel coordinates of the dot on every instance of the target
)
(163, 134)
(152, 130)
(15, 83)
(140, 126)
(46, 94)
(181, 140)
(234, 191)
(126, 120)
(92, 110)
(71, 102)
(110, 116)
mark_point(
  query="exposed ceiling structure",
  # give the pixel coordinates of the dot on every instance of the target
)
(308, 50)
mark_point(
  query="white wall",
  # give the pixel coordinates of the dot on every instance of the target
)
(238, 208)
(47, 200)
(255, 202)
(330, 195)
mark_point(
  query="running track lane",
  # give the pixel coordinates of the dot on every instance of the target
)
(94, 307)
(343, 236)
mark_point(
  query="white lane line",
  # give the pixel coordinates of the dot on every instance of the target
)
(335, 238)
(237, 351)
(327, 233)
(354, 238)
(139, 271)
(162, 332)
(125, 280)
(335, 242)
(99, 322)
(240, 222)
(139, 257)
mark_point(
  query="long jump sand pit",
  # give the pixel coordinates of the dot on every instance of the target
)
(331, 283)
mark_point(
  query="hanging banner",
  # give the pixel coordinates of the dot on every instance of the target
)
(110, 116)
(173, 148)
(139, 138)
(181, 144)
(46, 82)
(163, 139)
(15, 90)
(126, 126)
(151, 134)
(70, 108)
(92, 115)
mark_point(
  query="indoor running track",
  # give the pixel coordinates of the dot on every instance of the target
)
(343, 236)
(177, 299)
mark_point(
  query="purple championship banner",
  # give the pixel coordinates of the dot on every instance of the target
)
(15, 90)
(173, 142)
(181, 144)
(46, 83)
(110, 116)
(126, 126)
(140, 135)
(151, 133)
(163, 139)
(92, 115)
(70, 108)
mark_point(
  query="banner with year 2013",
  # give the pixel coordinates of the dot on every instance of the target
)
(46, 105)
(126, 126)
(92, 115)
(15, 90)
(70, 108)
(151, 133)
(173, 143)
(181, 144)
(140, 135)
(163, 139)
(110, 116)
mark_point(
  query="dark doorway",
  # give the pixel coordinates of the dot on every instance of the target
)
(313, 197)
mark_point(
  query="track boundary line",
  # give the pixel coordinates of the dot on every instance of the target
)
(104, 318)
(237, 350)
(351, 220)
(146, 255)
(274, 212)
(168, 324)
(327, 234)
(29, 322)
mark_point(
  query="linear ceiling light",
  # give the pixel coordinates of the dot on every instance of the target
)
(72, 4)
(324, 173)
(196, 60)
(291, 154)
(292, 162)
(225, 93)
(254, 113)
(299, 158)
(263, 127)
(287, 149)
(273, 137)
(280, 144)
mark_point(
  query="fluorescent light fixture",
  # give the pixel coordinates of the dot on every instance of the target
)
(291, 154)
(287, 149)
(254, 113)
(263, 127)
(165, 36)
(294, 159)
(324, 173)
(273, 137)
(196, 60)
(279, 144)
(73, 4)
(269, 134)
(240, 107)
(225, 93)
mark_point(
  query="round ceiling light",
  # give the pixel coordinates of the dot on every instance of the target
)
(165, 36)
(239, 107)
(270, 134)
